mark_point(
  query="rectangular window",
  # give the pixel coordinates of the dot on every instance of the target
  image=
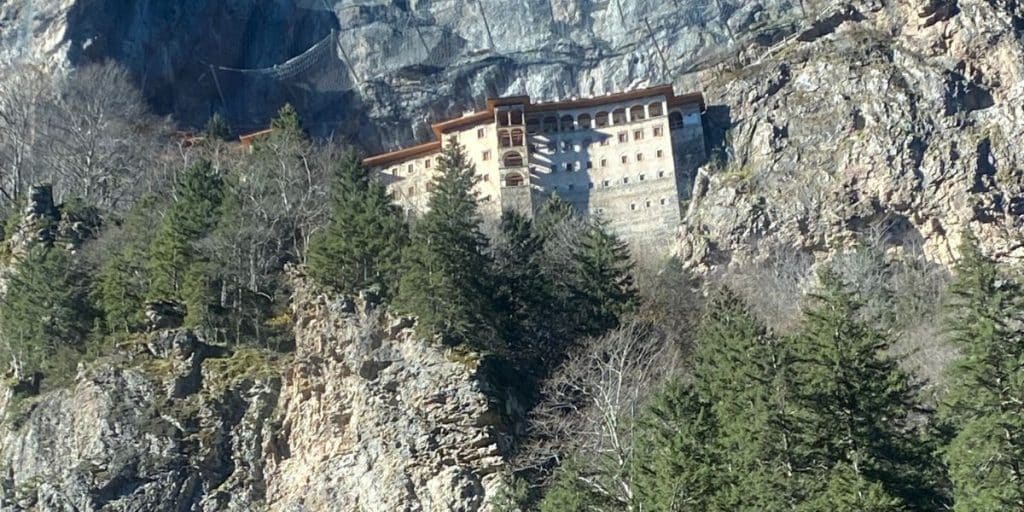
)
(481, 132)
(487, 177)
(604, 162)
(658, 131)
(663, 201)
(411, 169)
(638, 135)
(639, 157)
(625, 180)
(428, 162)
(647, 204)
(412, 190)
(623, 137)
(661, 174)
(568, 167)
(625, 159)
(590, 165)
(641, 177)
(632, 206)
(604, 141)
(590, 185)
(661, 153)
(604, 183)
(487, 155)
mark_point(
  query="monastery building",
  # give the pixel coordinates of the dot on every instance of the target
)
(629, 157)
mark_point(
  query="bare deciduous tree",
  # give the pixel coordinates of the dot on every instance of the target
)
(101, 140)
(591, 405)
(25, 91)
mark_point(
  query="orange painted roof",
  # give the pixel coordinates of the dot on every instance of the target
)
(528, 106)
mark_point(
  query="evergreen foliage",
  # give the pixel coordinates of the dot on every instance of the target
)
(603, 282)
(445, 279)
(525, 301)
(984, 408)
(175, 266)
(361, 247)
(848, 491)
(45, 314)
(678, 463)
(217, 128)
(854, 400)
(743, 370)
(122, 280)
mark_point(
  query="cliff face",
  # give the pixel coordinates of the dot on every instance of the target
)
(374, 419)
(363, 418)
(396, 64)
(901, 115)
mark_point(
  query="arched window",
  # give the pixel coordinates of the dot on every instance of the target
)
(505, 139)
(655, 110)
(518, 138)
(583, 121)
(637, 113)
(512, 159)
(601, 119)
(514, 180)
(675, 120)
(567, 123)
(550, 124)
(619, 116)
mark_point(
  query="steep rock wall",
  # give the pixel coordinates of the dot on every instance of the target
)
(895, 116)
(376, 420)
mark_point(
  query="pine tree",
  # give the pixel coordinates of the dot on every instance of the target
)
(678, 462)
(121, 284)
(744, 371)
(445, 282)
(286, 120)
(217, 127)
(603, 281)
(45, 314)
(568, 494)
(175, 266)
(524, 299)
(848, 491)
(362, 245)
(854, 399)
(984, 408)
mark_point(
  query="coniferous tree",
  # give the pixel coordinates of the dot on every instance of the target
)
(984, 408)
(848, 491)
(121, 284)
(217, 127)
(678, 462)
(361, 247)
(524, 299)
(855, 401)
(45, 313)
(603, 289)
(175, 267)
(743, 370)
(445, 280)
(568, 493)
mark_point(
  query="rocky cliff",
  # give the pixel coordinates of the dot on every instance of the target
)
(901, 117)
(361, 417)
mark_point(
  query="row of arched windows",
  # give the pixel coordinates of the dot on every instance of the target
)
(585, 121)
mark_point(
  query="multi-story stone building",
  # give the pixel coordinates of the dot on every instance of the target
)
(629, 157)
